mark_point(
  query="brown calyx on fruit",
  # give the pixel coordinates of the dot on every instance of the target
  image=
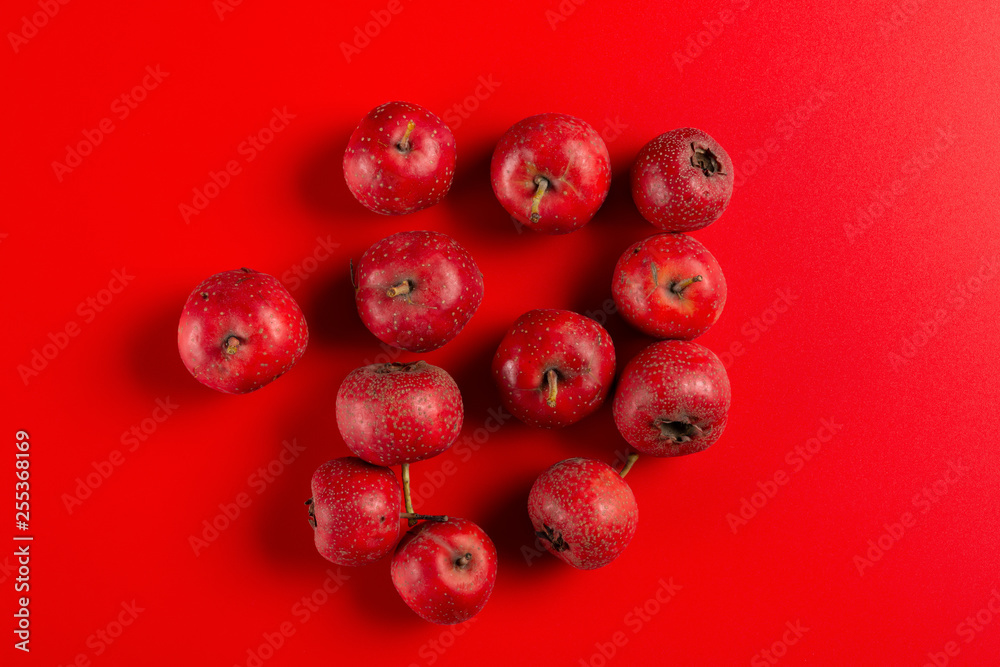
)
(552, 381)
(553, 537)
(232, 345)
(542, 184)
(677, 431)
(404, 144)
(679, 287)
(312, 513)
(400, 366)
(705, 159)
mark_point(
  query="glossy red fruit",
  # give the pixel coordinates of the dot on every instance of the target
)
(583, 512)
(354, 510)
(682, 180)
(554, 367)
(417, 290)
(400, 159)
(240, 330)
(551, 172)
(672, 399)
(445, 570)
(396, 413)
(669, 286)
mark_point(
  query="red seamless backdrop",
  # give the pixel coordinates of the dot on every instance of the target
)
(848, 516)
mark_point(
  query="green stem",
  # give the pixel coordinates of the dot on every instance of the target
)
(677, 288)
(542, 184)
(632, 458)
(406, 495)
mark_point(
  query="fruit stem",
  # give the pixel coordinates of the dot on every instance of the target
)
(422, 517)
(232, 345)
(632, 458)
(677, 288)
(543, 184)
(396, 290)
(553, 379)
(404, 144)
(464, 560)
(406, 495)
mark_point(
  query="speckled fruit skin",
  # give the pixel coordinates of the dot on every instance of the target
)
(672, 399)
(679, 188)
(355, 509)
(393, 178)
(256, 310)
(569, 155)
(577, 348)
(652, 291)
(583, 512)
(429, 573)
(444, 288)
(399, 413)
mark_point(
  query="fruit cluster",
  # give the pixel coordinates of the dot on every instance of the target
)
(416, 290)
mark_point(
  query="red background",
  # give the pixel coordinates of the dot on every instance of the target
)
(885, 106)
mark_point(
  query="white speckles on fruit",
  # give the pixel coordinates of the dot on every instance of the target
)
(672, 382)
(248, 307)
(669, 286)
(583, 512)
(415, 175)
(445, 289)
(445, 570)
(672, 187)
(399, 413)
(575, 347)
(551, 172)
(351, 502)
